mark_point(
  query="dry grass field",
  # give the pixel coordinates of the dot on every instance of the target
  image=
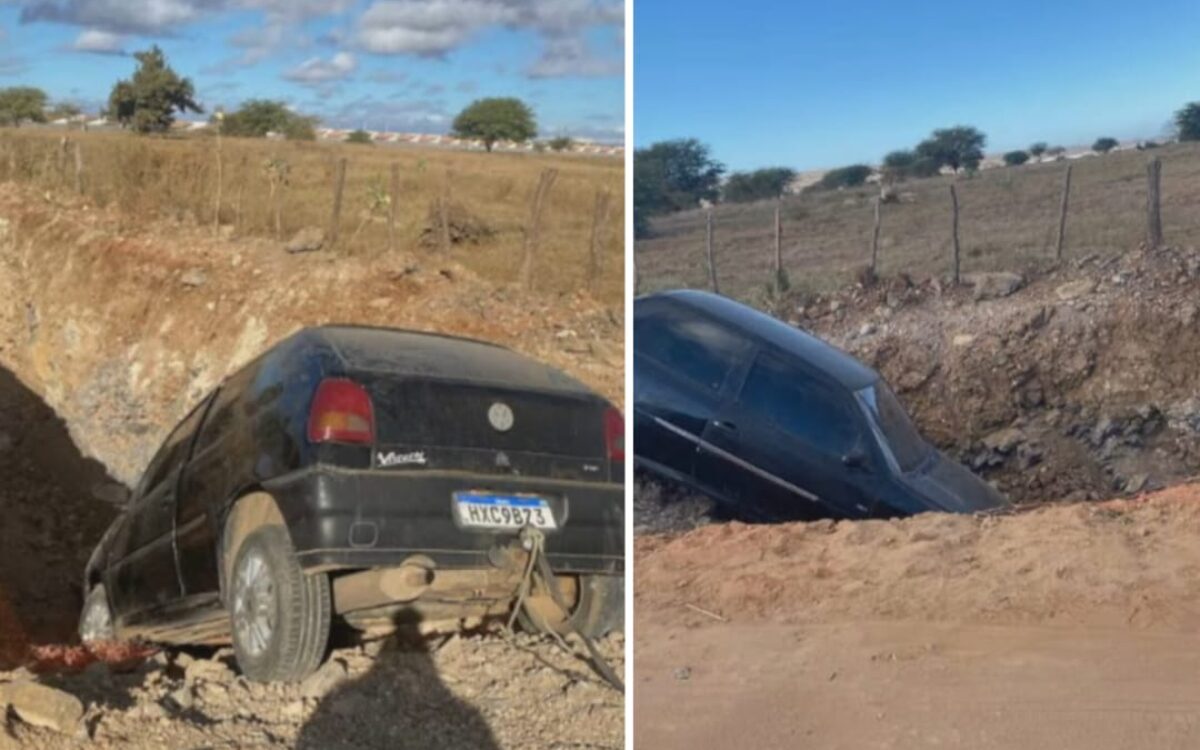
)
(177, 178)
(1008, 221)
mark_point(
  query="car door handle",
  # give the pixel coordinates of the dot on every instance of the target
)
(725, 425)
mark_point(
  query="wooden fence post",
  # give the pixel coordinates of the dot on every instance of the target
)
(1154, 234)
(339, 186)
(78, 168)
(954, 205)
(220, 180)
(535, 220)
(1062, 215)
(393, 202)
(778, 247)
(712, 265)
(444, 214)
(599, 219)
(875, 240)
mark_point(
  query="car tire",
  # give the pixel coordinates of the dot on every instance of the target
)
(280, 615)
(599, 609)
(95, 619)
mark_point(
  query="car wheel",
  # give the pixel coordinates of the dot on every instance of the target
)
(597, 607)
(280, 615)
(95, 621)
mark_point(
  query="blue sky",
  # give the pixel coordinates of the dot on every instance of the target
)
(406, 65)
(812, 85)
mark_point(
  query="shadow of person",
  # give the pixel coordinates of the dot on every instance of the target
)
(402, 703)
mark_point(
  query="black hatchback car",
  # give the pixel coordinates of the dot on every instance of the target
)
(776, 424)
(371, 474)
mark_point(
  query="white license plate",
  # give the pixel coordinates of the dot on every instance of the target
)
(488, 510)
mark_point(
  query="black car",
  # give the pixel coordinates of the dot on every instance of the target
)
(776, 424)
(374, 475)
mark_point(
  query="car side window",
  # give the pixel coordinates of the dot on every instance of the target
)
(173, 450)
(689, 344)
(777, 392)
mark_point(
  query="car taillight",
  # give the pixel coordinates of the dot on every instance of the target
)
(341, 413)
(614, 435)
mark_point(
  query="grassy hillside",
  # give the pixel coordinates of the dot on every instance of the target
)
(1008, 219)
(177, 177)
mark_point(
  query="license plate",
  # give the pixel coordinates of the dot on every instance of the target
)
(488, 510)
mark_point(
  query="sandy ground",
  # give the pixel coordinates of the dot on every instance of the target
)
(1066, 626)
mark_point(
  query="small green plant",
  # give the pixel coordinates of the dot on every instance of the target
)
(360, 137)
(379, 202)
(561, 143)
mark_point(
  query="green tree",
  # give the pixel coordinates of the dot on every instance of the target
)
(148, 101)
(561, 143)
(1037, 149)
(1104, 145)
(672, 176)
(63, 110)
(1016, 158)
(844, 177)
(361, 137)
(1056, 151)
(22, 104)
(761, 184)
(1187, 122)
(496, 119)
(897, 165)
(959, 147)
(258, 117)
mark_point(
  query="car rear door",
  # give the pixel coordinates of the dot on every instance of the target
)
(145, 575)
(781, 446)
(683, 361)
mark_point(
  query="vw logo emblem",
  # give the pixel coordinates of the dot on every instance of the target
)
(500, 416)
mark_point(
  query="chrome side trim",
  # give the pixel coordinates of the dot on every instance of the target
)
(721, 453)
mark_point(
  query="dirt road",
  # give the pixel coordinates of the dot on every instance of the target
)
(1068, 627)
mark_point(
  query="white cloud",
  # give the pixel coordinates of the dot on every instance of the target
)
(99, 42)
(165, 16)
(570, 56)
(433, 28)
(318, 70)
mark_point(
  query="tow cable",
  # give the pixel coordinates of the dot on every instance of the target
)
(534, 542)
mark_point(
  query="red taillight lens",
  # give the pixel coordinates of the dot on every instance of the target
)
(614, 435)
(341, 413)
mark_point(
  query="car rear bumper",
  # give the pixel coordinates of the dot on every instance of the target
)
(341, 518)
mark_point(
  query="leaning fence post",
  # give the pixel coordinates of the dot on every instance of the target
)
(339, 186)
(954, 205)
(712, 266)
(875, 240)
(1154, 235)
(393, 201)
(535, 220)
(599, 218)
(778, 247)
(444, 214)
(78, 168)
(1062, 215)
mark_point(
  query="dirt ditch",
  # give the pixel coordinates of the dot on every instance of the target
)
(107, 336)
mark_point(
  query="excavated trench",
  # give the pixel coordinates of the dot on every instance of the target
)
(1074, 383)
(108, 335)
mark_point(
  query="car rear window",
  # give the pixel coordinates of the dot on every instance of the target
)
(779, 393)
(689, 344)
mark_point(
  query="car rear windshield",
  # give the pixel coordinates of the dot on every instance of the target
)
(900, 434)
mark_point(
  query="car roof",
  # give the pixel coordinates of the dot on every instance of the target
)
(820, 354)
(440, 356)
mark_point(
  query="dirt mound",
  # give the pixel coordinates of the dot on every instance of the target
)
(474, 692)
(1078, 383)
(1121, 563)
(121, 332)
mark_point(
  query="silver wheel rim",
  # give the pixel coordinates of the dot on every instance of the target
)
(254, 604)
(97, 624)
